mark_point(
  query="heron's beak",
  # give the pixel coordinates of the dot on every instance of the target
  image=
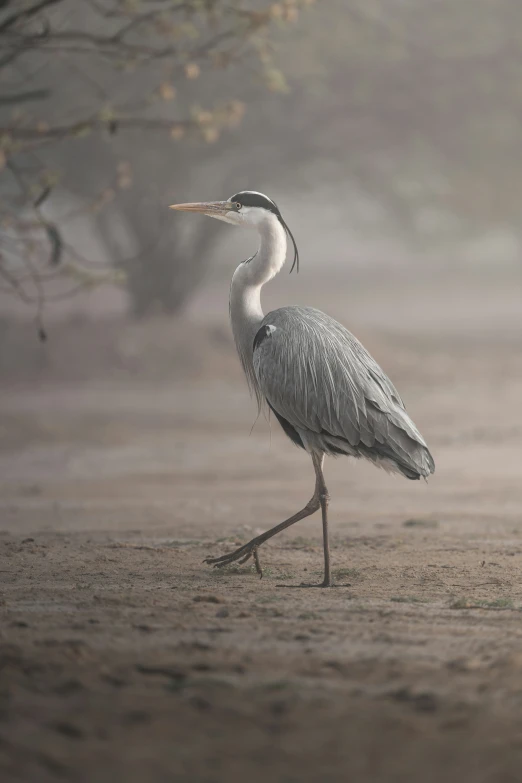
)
(211, 208)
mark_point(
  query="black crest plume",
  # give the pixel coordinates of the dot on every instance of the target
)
(249, 198)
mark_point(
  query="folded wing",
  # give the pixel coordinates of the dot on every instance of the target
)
(326, 389)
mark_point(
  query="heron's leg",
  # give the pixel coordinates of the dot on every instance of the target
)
(249, 550)
(324, 498)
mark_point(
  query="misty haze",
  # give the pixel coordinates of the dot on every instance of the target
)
(388, 134)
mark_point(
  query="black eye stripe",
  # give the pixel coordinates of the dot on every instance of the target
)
(249, 198)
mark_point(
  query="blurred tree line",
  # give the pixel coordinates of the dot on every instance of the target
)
(122, 106)
(423, 103)
(105, 106)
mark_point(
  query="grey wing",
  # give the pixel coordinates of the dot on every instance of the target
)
(320, 381)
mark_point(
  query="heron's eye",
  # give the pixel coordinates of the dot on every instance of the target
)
(238, 205)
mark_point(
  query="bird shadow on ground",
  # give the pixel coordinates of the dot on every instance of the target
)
(304, 585)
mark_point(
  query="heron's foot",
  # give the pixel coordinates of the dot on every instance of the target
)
(325, 583)
(241, 555)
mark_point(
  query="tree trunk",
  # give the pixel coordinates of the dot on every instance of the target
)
(163, 273)
(163, 280)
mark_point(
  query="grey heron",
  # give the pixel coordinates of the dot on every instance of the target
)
(324, 388)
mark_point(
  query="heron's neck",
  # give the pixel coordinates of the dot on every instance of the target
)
(246, 313)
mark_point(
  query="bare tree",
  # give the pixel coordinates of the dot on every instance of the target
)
(79, 75)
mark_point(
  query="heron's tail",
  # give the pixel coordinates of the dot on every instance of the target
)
(414, 464)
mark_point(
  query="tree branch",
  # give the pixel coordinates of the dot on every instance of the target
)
(26, 13)
(110, 46)
(92, 124)
(25, 97)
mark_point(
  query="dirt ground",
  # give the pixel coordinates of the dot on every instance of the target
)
(124, 657)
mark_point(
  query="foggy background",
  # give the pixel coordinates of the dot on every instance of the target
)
(388, 133)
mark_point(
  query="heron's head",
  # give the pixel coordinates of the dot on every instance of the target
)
(247, 208)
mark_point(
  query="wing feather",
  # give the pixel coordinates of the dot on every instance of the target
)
(318, 377)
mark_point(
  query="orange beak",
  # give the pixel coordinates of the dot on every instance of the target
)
(212, 208)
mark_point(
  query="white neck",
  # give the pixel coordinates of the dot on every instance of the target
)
(246, 313)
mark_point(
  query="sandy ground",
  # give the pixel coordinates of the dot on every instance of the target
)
(124, 657)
